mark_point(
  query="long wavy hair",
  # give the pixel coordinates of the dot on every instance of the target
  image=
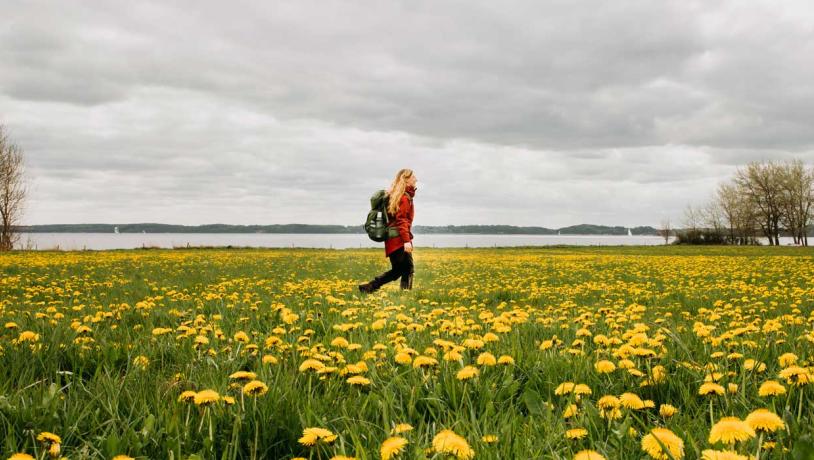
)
(397, 189)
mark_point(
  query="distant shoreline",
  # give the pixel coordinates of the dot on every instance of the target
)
(575, 230)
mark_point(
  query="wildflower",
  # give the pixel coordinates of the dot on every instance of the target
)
(489, 439)
(771, 388)
(20, 456)
(667, 410)
(652, 444)
(255, 388)
(564, 388)
(467, 373)
(447, 442)
(241, 337)
(311, 364)
(582, 389)
(576, 433)
(505, 360)
(424, 361)
(392, 447)
(570, 411)
(796, 375)
(730, 430)
(787, 359)
(228, 400)
(631, 401)
(28, 336)
(206, 397)
(710, 388)
(141, 362)
(709, 454)
(123, 457)
(269, 359)
(403, 358)
(604, 367)
(310, 436)
(243, 375)
(187, 396)
(764, 420)
(402, 428)
(608, 402)
(161, 331)
(588, 455)
(358, 380)
(486, 359)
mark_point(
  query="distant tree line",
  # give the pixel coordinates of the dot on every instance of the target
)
(763, 200)
(584, 229)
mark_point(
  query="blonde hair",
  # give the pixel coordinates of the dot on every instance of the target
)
(397, 189)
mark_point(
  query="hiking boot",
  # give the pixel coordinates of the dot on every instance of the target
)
(366, 288)
(407, 282)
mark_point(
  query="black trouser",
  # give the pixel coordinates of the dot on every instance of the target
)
(401, 263)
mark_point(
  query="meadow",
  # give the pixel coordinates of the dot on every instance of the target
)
(523, 353)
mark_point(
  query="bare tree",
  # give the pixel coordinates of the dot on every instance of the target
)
(12, 191)
(761, 185)
(692, 217)
(664, 231)
(796, 199)
(736, 213)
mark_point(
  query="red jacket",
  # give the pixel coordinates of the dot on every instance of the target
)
(403, 220)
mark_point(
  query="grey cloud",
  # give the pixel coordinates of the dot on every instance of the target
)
(533, 113)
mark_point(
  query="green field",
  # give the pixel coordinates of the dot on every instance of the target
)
(98, 347)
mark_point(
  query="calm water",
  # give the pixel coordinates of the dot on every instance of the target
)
(73, 241)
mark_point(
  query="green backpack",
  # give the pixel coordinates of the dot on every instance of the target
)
(376, 223)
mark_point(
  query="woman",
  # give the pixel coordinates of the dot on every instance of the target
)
(399, 249)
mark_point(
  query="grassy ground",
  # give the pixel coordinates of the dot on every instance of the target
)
(98, 347)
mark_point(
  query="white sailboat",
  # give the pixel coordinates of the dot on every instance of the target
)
(629, 232)
(115, 229)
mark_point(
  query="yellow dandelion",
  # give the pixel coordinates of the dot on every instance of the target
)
(243, 375)
(631, 401)
(667, 410)
(710, 454)
(588, 455)
(486, 359)
(505, 360)
(20, 456)
(663, 444)
(311, 436)
(311, 364)
(447, 442)
(711, 388)
(604, 366)
(489, 439)
(358, 380)
(206, 397)
(564, 388)
(764, 420)
(576, 433)
(46, 437)
(392, 447)
(771, 388)
(730, 430)
(255, 388)
(424, 361)
(467, 373)
(608, 402)
(187, 396)
(402, 428)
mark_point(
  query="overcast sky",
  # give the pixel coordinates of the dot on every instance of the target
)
(526, 113)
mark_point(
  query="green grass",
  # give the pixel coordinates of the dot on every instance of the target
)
(86, 388)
